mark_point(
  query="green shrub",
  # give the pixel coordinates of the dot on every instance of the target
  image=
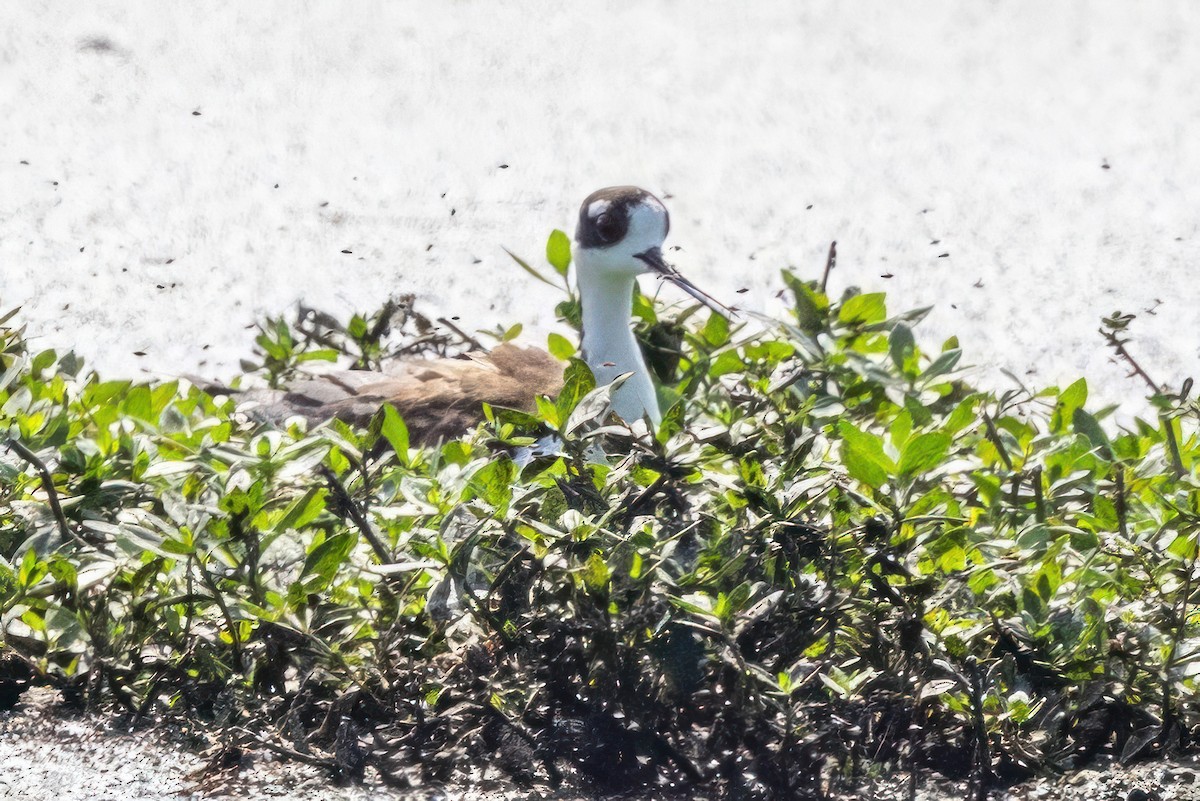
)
(834, 556)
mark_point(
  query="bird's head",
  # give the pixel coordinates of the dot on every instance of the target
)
(621, 233)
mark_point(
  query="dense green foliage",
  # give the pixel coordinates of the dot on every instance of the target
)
(832, 557)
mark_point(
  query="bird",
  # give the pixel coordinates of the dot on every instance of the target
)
(619, 235)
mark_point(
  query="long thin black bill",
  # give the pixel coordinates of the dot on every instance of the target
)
(654, 260)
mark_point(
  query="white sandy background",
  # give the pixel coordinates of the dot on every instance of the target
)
(192, 167)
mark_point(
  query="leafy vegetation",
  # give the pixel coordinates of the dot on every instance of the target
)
(833, 558)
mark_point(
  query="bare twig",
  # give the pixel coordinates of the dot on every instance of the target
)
(149, 698)
(1173, 443)
(472, 341)
(830, 263)
(252, 542)
(524, 734)
(981, 772)
(1172, 446)
(1039, 501)
(234, 635)
(1179, 630)
(1118, 345)
(290, 753)
(385, 319)
(19, 448)
(508, 567)
(994, 435)
(355, 512)
(419, 344)
(1122, 509)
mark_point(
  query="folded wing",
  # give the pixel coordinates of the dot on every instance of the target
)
(438, 398)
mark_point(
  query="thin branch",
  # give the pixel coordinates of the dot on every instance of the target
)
(830, 263)
(508, 567)
(234, 635)
(1118, 345)
(1172, 446)
(1039, 501)
(472, 341)
(1122, 509)
(355, 513)
(290, 753)
(1179, 630)
(981, 772)
(19, 448)
(385, 319)
(994, 435)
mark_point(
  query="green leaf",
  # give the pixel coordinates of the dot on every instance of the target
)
(901, 429)
(1089, 426)
(1070, 399)
(560, 347)
(949, 551)
(1183, 547)
(139, 403)
(321, 355)
(867, 308)
(953, 559)
(494, 483)
(1075, 395)
(810, 305)
(863, 455)
(571, 311)
(901, 345)
(324, 560)
(962, 416)
(577, 382)
(596, 574)
(303, 510)
(942, 364)
(162, 395)
(548, 411)
(1033, 603)
(771, 351)
(982, 580)
(1048, 580)
(42, 360)
(395, 432)
(716, 330)
(728, 362)
(32, 570)
(1083, 541)
(924, 452)
(105, 392)
(65, 572)
(1106, 513)
(34, 620)
(525, 266)
(558, 251)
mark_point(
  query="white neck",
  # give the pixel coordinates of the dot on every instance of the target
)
(608, 342)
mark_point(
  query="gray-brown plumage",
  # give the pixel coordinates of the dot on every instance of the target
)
(438, 398)
(619, 236)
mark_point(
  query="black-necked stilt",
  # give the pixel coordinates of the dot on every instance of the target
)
(619, 236)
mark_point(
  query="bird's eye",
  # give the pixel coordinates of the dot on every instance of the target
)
(608, 228)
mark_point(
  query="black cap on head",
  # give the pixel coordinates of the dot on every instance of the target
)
(604, 215)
